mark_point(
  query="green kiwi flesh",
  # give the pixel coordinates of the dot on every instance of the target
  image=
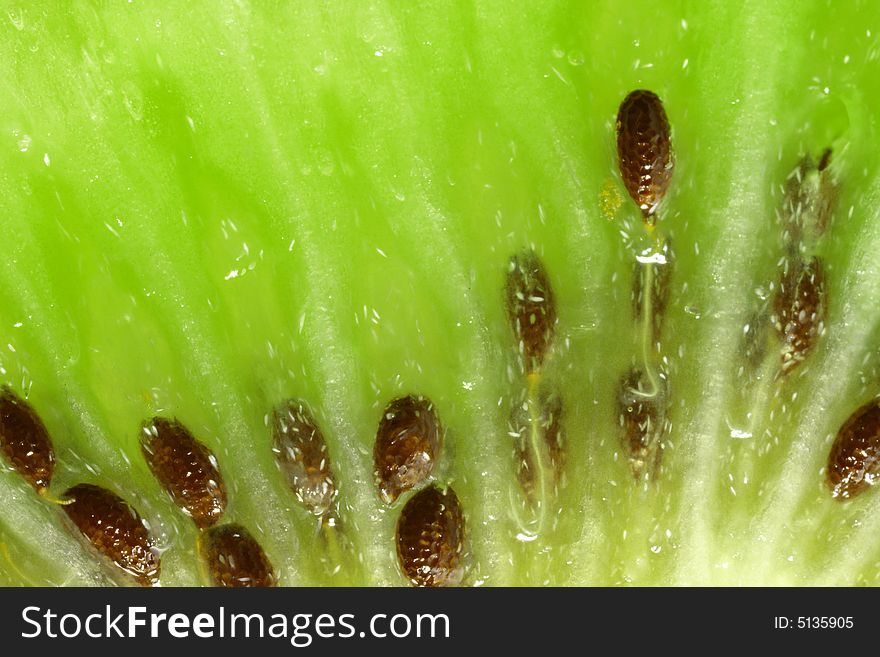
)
(212, 209)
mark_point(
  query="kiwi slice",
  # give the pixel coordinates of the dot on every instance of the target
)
(272, 229)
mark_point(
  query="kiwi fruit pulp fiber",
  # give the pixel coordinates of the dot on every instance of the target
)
(239, 239)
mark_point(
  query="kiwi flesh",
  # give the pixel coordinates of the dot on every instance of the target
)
(212, 210)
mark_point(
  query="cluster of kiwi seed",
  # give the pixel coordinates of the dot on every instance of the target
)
(646, 166)
(793, 324)
(431, 530)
